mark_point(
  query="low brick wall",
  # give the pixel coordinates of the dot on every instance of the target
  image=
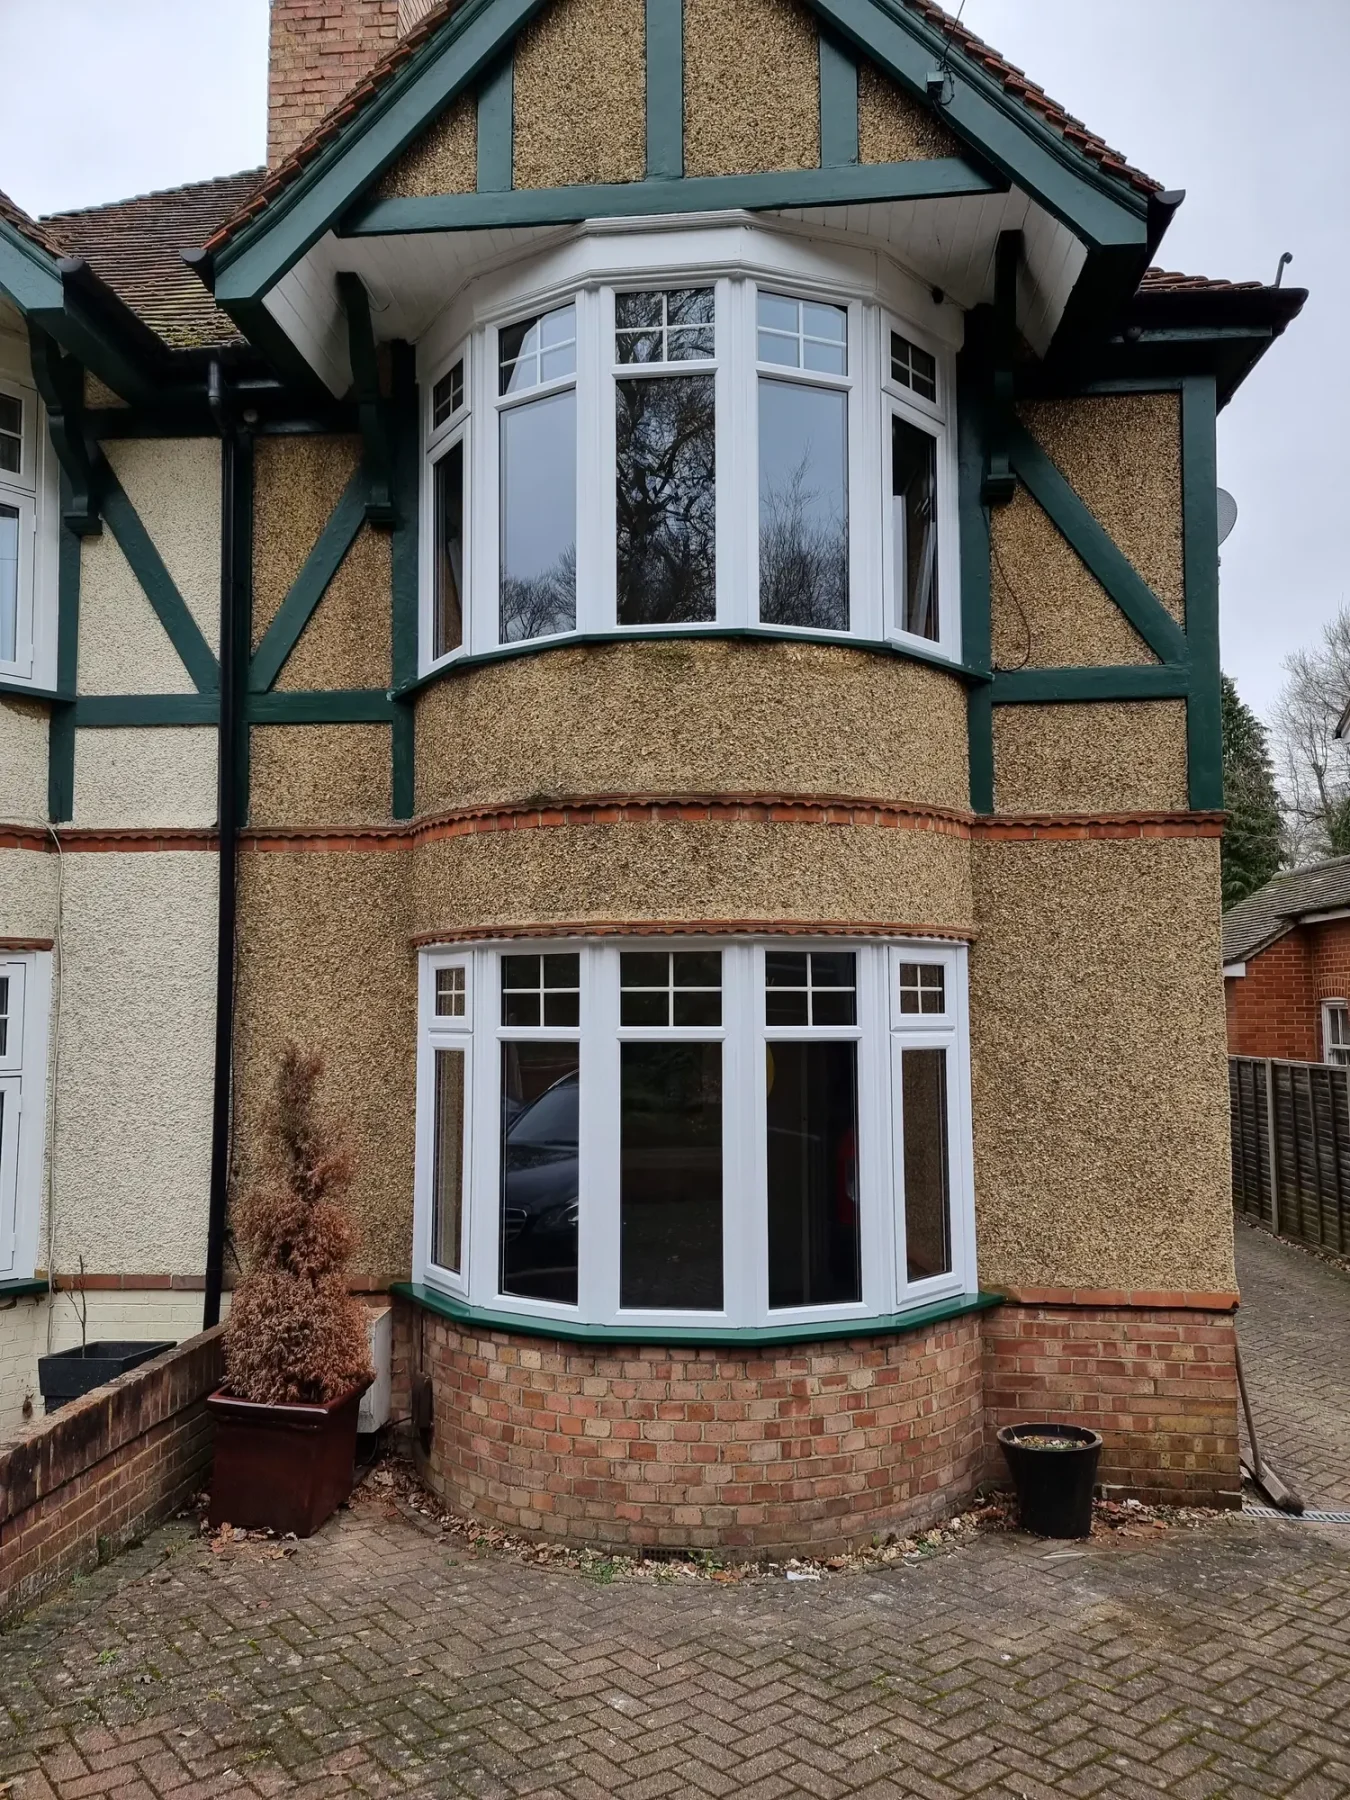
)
(78, 1485)
(811, 1446)
(1159, 1383)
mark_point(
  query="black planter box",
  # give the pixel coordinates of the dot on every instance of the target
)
(70, 1373)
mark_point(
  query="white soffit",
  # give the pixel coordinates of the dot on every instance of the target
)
(411, 279)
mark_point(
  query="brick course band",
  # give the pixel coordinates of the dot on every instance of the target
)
(812, 1447)
(636, 809)
(457, 934)
(100, 1471)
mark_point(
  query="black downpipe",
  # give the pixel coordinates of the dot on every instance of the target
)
(236, 461)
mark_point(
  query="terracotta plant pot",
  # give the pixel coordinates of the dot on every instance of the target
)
(287, 1468)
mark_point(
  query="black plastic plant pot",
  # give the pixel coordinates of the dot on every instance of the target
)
(69, 1373)
(1054, 1470)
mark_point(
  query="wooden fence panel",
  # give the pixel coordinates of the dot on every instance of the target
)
(1307, 1194)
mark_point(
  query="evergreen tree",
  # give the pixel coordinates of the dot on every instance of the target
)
(1251, 844)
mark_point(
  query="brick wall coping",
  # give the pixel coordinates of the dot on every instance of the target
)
(57, 1449)
(1147, 1299)
(712, 1337)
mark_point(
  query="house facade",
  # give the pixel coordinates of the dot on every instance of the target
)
(650, 589)
(1286, 967)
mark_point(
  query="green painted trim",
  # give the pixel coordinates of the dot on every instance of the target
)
(310, 585)
(497, 128)
(665, 89)
(1000, 483)
(1129, 681)
(973, 523)
(24, 690)
(1097, 206)
(320, 706)
(159, 588)
(838, 103)
(941, 178)
(61, 726)
(60, 381)
(266, 335)
(406, 413)
(24, 1290)
(1200, 555)
(453, 58)
(79, 332)
(369, 406)
(403, 760)
(1100, 554)
(754, 633)
(101, 711)
(29, 277)
(744, 1337)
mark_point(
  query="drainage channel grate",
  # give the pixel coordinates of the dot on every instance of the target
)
(1311, 1516)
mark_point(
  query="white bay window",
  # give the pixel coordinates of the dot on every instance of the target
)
(702, 1133)
(28, 517)
(737, 433)
(25, 994)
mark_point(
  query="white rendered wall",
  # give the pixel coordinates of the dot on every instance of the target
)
(145, 775)
(23, 762)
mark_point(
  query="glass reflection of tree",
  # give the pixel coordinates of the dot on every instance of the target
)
(666, 500)
(803, 560)
(537, 605)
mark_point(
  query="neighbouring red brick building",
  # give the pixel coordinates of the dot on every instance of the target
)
(1286, 967)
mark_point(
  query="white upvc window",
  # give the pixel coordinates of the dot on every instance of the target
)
(25, 992)
(698, 1132)
(29, 508)
(1336, 1032)
(758, 438)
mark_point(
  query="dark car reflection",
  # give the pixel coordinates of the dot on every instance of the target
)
(539, 1193)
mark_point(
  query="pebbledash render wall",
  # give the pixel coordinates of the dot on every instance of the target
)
(128, 906)
(1274, 1008)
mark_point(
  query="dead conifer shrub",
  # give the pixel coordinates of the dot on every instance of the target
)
(294, 1333)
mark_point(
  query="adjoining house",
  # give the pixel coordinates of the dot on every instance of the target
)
(650, 589)
(1286, 966)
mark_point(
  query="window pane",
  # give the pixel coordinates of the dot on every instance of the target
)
(914, 525)
(535, 350)
(539, 518)
(817, 987)
(4, 1014)
(923, 988)
(664, 327)
(923, 1097)
(803, 505)
(9, 584)
(11, 434)
(665, 467)
(447, 1177)
(814, 1244)
(541, 990)
(913, 368)
(540, 1087)
(670, 1225)
(448, 394)
(448, 624)
(450, 993)
(661, 988)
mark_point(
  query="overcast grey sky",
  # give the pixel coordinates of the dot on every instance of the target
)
(1237, 101)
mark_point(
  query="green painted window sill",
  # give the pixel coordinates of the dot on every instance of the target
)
(695, 1337)
(22, 1290)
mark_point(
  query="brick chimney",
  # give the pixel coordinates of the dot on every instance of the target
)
(319, 50)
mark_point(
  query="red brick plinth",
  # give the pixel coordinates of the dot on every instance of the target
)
(1159, 1383)
(801, 1447)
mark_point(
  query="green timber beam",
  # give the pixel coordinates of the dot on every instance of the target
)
(1200, 556)
(61, 728)
(404, 573)
(104, 710)
(147, 565)
(310, 585)
(370, 408)
(1098, 207)
(665, 89)
(972, 379)
(1097, 550)
(939, 179)
(454, 58)
(320, 706)
(59, 379)
(838, 104)
(496, 128)
(1051, 686)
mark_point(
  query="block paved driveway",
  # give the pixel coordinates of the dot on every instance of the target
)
(1203, 1662)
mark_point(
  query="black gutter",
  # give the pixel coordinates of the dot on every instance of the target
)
(236, 507)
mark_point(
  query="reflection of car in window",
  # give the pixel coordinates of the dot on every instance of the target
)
(539, 1195)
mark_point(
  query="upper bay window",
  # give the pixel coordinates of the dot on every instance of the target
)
(751, 449)
(27, 533)
(718, 1133)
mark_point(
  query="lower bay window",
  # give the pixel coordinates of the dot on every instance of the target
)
(721, 1134)
(25, 994)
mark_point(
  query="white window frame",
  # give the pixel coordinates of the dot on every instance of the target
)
(440, 440)
(588, 267)
(1330, 1043)
(32, 491)
(881, 1033)
(23, 1081)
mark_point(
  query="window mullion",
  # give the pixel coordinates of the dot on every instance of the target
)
(598, 1287)
(595, 452)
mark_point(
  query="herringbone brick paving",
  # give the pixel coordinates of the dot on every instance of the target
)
(1294, 1328)
(1209, 1664)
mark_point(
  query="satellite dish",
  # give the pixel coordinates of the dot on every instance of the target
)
(1227, 510)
